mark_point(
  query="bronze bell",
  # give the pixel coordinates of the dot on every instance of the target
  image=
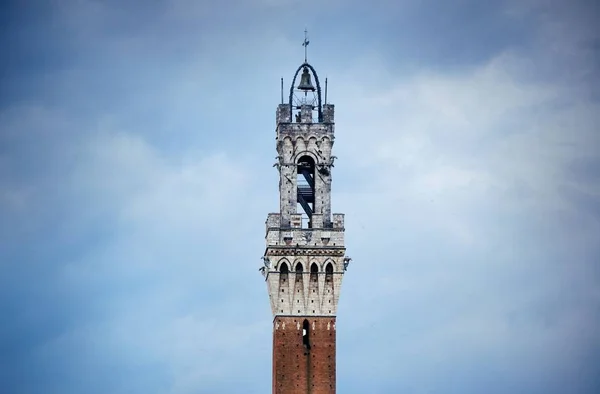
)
(305, 83)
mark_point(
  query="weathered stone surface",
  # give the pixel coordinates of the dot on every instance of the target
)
(287, 241)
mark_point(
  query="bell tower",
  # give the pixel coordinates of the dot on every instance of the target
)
(304, 260)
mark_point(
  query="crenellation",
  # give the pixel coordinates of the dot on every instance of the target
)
(302, 237)
(283, 114)
(273, 220)
(276, 234)
(328, 113)
(338, 220)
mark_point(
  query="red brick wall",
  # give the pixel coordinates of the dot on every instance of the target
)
(296, 369)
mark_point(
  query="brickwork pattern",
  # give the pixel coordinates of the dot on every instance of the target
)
(298, 369)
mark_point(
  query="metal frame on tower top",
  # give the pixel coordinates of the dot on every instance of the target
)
(319, 102)
(314, 72)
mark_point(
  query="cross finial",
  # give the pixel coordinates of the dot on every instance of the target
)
(305, 44)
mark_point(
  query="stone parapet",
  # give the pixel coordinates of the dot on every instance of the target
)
(318, 235)
(305, 129)
(328, 113)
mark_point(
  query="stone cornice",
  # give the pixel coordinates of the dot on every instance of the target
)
(323, 317)
(335, 251)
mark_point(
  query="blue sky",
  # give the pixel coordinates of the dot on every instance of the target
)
(136, 152)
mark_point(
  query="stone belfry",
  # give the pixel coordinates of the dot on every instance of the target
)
(304, 260)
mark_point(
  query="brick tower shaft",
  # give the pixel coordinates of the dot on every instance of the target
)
(304, 365)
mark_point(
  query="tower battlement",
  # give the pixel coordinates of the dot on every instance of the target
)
(296, 235)
(284, 115)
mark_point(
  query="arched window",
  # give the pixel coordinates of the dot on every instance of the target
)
(283, 268)
(314, 272)
(306, 334)
(329, 272)
(299, 270)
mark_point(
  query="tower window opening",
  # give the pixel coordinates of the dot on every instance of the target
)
(305, 182)
(283, 271)
(305, 334)
(299, 272)
(328, 272)
(314, 270)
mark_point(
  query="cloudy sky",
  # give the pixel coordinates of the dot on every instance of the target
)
(136, 153)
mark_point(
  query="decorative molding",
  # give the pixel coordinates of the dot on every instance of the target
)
(274, 251)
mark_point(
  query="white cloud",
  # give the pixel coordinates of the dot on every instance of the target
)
(465, 234)
(481, 137)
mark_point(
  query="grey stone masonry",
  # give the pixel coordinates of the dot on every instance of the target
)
(314, 258)
(304, 266)
(295, 140)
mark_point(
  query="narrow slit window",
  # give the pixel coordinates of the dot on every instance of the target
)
(306, 334)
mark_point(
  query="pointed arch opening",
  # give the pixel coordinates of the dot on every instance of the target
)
(283, 272)
(283, 268)
(328, 272)
(299, 270)
(314, 272)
